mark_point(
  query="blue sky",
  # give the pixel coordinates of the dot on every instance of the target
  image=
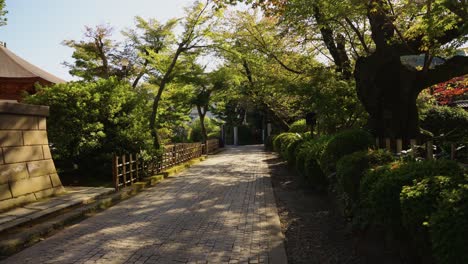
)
(36, 28)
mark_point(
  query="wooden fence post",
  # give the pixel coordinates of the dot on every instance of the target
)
(124, 170)
(430, 150)
(131, 168)
(388, 145)
(413, 147)
(137, 167)
(399, 145)
(115, 172)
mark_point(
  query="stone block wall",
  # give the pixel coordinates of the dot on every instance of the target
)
(27, 171)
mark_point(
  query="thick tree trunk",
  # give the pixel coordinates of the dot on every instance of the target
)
(388, 91)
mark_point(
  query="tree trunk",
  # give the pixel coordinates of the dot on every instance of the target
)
(388, 91)
(157, 98)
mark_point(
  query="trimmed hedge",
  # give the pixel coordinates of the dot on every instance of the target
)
(299, 126)
(342, 144)
(449, 226)
(292, 149)
(418, 202)
(380, 188)
(308, 160)
(351, 168)
(449, 122)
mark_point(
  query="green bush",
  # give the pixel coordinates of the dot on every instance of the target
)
(212, 130)
(308, 157)
(290, 138)
(380, 188)
(291, 150)
(450, 123)
(277, 142)
(91, 120)
(418, 202)
(299, 126)
(351, 168)
(448, 226)
(342, 144)
(283, 138)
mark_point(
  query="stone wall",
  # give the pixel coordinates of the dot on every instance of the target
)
(27, 171)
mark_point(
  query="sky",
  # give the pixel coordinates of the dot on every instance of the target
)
(36, 28)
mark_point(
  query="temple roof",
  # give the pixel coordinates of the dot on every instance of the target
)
(12, 66)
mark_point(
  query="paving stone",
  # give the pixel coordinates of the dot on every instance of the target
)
(219, 211)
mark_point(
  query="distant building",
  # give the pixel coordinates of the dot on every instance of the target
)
(18, 76)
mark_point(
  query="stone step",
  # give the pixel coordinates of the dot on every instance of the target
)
(74, 196)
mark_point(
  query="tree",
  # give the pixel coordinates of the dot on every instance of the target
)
(386, 87)
(196, 25)
(282, 78)
(3, 13)
(96, 56)
(149, 35)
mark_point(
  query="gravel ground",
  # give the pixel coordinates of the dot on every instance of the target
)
(314, 233)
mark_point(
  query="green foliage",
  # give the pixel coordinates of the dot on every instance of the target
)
(3, 12)
(351, 168)
(291, 150)
(277, 141)
(450, 123)
(282, 142)
(448, 226)
(418, 202)
(91, 120)
(380, 188)
(342, 144)
(212, 130)
(96, 56)
(299, 126)
(308, 160)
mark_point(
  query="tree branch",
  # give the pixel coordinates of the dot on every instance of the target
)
(454, 67)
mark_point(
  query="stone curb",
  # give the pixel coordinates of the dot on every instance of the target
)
(28, 233)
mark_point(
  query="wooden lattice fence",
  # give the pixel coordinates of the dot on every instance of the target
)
(131, 168)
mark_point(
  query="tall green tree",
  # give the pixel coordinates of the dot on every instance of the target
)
(96, 56)
(148, 36)
(386, 86)
(282, 78)
(196, 26)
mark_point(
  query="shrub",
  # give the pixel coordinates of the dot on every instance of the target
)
(418, 202)
(351, 168)
(449, 122)
(277, 142)
(91, 120)
(343, 144)
(291, 150)
(212, 130)
(290, 138)
(448, 226)
(308, 157)
(380, 189)
(299, 126)
(283, 138)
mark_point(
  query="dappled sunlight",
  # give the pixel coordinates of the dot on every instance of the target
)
(217, 210)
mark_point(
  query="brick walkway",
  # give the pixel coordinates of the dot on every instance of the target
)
(219, 211)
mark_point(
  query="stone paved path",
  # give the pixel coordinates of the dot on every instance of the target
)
(219, 211)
